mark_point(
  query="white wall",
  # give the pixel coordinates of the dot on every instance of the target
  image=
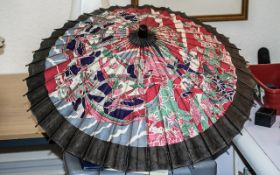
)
(23, 23)
(262, 29)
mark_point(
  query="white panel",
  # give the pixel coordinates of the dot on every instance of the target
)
(225, 163)
(199, 7)
(255, 155)
(90, 5)
(30, 155)
(260, 146)
(120, 2)
(43, 162)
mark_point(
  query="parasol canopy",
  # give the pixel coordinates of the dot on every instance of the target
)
(139, 89)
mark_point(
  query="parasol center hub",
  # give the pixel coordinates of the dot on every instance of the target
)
(143, 37)
(143, 31)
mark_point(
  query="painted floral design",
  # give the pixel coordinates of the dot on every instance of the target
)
(171, 90)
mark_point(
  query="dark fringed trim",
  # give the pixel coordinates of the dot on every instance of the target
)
(148, 160)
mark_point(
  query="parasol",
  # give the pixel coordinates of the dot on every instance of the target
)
(139, 89)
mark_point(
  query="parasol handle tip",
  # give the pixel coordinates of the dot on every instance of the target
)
(143, 31)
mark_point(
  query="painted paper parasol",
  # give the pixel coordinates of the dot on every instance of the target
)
(139, 89)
